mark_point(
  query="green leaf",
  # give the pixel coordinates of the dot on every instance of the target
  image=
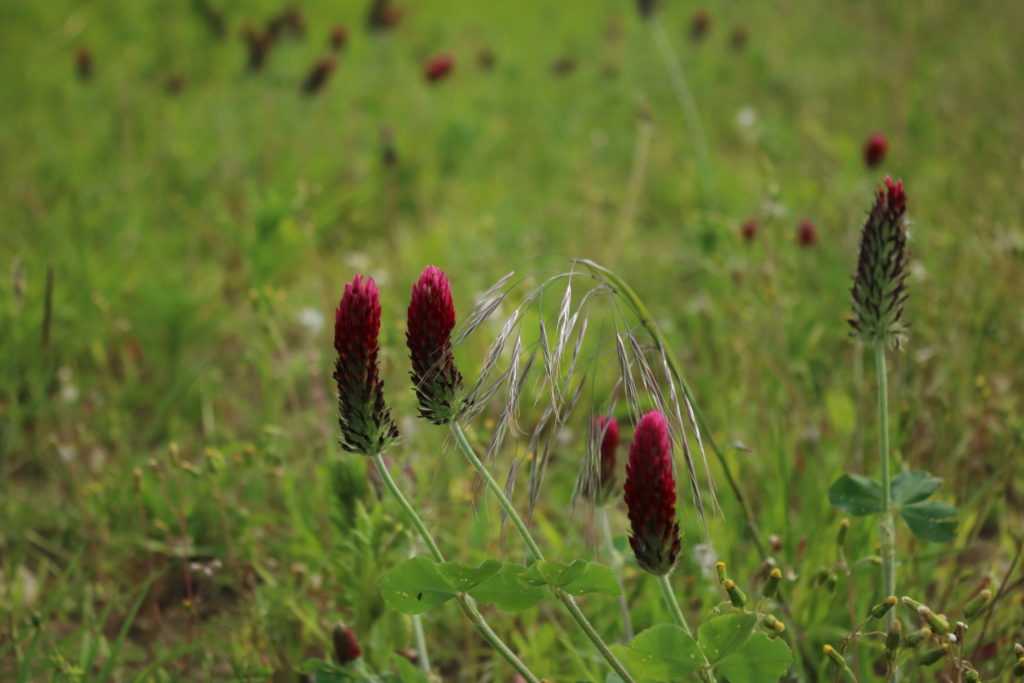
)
(663, 652)
(721, 635)
(759, 659)
(930, 520)
(506, 591)
(553, 573)
(912, 487)
(595, 578)
(856, 494)
(415, 586)
(462, 577)
(841, 412)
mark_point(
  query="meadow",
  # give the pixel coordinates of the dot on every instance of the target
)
(177, 228)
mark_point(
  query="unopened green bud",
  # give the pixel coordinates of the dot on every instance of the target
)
(911, 603)
(938, 622)
(893, 639)
(720, 570)
(977, 603)
(933, 655)
(1018, 671)
(769, 622)
(972, 676)
(879, 610)
(915, 638)
(844, 526)
(834, 656)
(1018, 649)
(771, 586)
(736, 596)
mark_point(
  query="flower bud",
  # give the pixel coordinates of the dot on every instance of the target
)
(736, 596)
(438, 67)
(893, 639)
(938, 622)
(771, 586)
(720, 570)
(435, 377)
(971, 676)
(933, 655)
(879, 610)
(834, 656)
(977, 603)
(608, 429)
(874, 149)
(346, 649)
(914, 639)
(1018, 649)
(844, 526)
(650, 493)
(1018, 671)
(911, 603)
(364, 418)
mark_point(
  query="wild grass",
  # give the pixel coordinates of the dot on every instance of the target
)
(171, 260)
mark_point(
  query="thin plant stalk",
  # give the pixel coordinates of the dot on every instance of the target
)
(465, 602)
(680, 620)
(535, 552)
(705, 179)
(606, 534)
(886, 524)
(421, 644)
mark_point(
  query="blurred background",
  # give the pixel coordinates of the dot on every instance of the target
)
(185, 187)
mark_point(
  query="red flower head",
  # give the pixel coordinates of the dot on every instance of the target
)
(366, 425)
(749, 229)
(338, 37)
(346, 649)
(428, 334)
(319, 75)
(699, 25)
(608, 428)
(650, 493)
(806, 235)
(874, 149)
(438, 67)
(879, 287)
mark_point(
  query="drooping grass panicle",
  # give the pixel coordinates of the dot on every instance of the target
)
(879, 286)
(650, 493)
(364, 417)
(431, 319)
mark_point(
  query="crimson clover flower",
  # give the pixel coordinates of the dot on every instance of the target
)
(879, 287)
(435, 377)
(364, 418)
(608, 427)
(650, 493)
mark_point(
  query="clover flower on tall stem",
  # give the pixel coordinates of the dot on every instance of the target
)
(367, 427)
(879, 295)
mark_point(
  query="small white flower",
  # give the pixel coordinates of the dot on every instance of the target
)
(312, 319)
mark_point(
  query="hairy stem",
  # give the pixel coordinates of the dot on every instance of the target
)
(535, 551)
(613, 554)
(886, 524)
(465, 602)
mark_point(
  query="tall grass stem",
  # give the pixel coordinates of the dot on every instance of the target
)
(616, 559)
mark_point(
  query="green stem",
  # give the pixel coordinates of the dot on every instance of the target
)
(886, 523)
(465, 602)
(535, 552)
(680, 620)
(705, 176)
(614, 557)
(421, 644)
